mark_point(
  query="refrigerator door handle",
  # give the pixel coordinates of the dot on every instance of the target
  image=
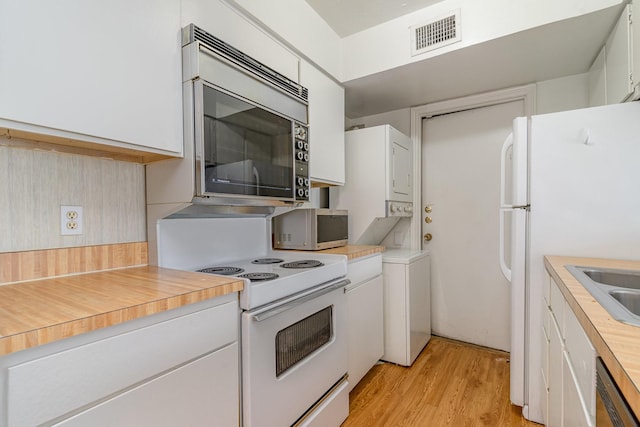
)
(508, 143)
(506, 271)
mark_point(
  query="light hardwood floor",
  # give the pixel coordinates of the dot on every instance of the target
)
(450, 384)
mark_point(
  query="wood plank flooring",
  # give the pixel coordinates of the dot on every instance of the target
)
(450, 384)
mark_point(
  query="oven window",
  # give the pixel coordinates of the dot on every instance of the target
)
(247, 150)
(299, 340)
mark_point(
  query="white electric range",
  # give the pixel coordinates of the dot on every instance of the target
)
(293, 320)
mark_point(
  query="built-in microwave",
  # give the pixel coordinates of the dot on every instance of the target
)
(249, 125)
(310, 229)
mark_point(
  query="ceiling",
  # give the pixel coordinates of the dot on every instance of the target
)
(560, 49)
(348, 17)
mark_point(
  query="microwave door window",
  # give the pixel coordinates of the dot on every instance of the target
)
(247, 150)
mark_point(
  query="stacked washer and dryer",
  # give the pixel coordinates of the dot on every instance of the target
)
(379, 197)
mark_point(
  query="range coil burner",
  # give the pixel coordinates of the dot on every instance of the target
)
(267, 261)
(306, 263)
(224, 271)
(259, 277)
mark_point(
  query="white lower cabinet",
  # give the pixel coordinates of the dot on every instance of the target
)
(190, 395)
(178, 367)
(574, 412)
(365, 307)
(571, 367)
(555, 377)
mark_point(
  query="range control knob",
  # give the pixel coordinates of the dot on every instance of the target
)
(408, 209)
(300, 132)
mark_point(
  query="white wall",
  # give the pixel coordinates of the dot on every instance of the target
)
(565, 93)
(34, 183)
(387, 45)
(561, 94)
(399, 119)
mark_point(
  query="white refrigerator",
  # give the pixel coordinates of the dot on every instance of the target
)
(571, 186)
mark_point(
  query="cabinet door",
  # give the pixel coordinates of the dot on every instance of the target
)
(555, 376)
(326, 126)
(203, 392)
(575, 413)
(545, 373)
(582, 357)
(107, 72)
(400, 169)
(48, 387)
(618, 59)
(366, 339)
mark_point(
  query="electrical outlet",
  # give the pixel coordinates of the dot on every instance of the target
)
(70, 220)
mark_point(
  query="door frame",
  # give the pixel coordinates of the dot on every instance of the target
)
(526, 93)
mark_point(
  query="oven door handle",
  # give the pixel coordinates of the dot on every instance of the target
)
(258, 317)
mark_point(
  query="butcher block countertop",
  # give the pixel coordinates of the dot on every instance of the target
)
(617, 343)
(354, 251)
(39, 311)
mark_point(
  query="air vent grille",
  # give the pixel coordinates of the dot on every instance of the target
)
(193, 33)
(435, 34)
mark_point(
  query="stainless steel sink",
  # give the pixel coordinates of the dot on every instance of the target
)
(618, 291)
(629, 299)
(620, 278)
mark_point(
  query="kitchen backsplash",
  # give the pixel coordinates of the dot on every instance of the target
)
(35, 183)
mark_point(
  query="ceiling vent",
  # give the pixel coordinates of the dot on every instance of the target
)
(435, 34)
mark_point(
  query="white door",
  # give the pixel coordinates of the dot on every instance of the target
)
(400, 168)
(461, 184)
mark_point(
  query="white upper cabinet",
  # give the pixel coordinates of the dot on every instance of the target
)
(104, 72)
(326, 126)
(618, 60)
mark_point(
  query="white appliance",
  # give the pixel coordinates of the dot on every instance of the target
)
(377, 191)
(294, 317)
(407, 304)
(570, 187)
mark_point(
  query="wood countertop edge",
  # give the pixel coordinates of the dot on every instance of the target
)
(605, 333)
(54, 332)
(354, 251)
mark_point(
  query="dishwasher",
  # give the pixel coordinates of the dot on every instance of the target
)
(611, 407)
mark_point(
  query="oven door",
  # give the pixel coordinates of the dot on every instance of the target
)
(293, 353)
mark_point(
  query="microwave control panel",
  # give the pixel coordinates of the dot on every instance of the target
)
(302, 184)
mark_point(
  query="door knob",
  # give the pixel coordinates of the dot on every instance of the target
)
(428, 219)
(427, 209)
(428, 237)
